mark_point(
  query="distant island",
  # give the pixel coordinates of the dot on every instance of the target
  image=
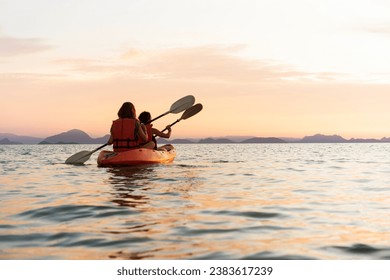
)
(74, 136)
(6, 141)
(77, 136)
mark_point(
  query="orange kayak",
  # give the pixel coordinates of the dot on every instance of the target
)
(137, 156)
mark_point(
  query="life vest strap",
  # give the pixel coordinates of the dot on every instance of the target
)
(125, 143)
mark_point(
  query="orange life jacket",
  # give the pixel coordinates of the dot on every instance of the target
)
(124, 134)
(149, 131)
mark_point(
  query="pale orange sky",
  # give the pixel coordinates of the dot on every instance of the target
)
(260, 68)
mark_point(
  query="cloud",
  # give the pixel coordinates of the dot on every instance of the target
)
(11, 46)
(213, 64)
(15, 77)
(223, 64)
(379, 28)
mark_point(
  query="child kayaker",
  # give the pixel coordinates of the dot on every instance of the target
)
(151, 142)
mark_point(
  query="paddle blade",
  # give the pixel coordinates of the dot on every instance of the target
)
(192, 111)
(82, 156)
(79, 158)
(188, 113)
(182, 104)
(179, 106)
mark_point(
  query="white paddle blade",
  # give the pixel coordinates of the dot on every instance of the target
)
(79, 158)
(182, 104)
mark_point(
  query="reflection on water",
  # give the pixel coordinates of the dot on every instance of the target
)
(125, 181)
(287, 201)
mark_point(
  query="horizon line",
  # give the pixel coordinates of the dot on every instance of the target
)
(244, 137)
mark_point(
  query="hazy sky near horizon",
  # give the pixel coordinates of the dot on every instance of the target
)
(259, 67)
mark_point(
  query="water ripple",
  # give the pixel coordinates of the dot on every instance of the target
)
(101, 242)
(364, 250)
(249, 214)
(66, 213)
(275, 256)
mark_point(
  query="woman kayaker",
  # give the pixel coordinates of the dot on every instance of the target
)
(151, 142)
(127, 132)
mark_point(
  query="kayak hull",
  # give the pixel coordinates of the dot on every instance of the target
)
(137, 156)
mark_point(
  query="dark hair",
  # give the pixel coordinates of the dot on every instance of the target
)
(126, 111)
(144, 117)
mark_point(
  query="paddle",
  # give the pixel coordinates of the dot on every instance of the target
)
(188, 113)
(83, 156)
(177, 107)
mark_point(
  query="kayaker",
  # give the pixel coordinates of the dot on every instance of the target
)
(151, 142)
(127, 132)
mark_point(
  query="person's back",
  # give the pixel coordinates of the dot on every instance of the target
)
(124, 134)
(126, 131)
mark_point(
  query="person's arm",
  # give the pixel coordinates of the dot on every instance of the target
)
(162, 134)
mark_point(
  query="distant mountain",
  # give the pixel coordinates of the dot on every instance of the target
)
(264, 140)
(359, 140)
(320, 138)
(238, 139)
(290, 139)
(180, 141)
(74, 136)
(6, 141)
(215, 141)
(20, 139)
(161, 141)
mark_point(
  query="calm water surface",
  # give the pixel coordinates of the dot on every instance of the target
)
(239, 201)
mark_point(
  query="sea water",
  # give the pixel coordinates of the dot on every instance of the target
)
(229, 201)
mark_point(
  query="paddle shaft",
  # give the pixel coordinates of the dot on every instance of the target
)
(156, 118)
(172, 124)
(97, 149)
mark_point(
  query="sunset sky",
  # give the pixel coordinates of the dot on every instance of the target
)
(259, 67)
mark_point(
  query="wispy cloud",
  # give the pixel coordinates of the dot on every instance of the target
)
(15, 77)
(206, 63)
(378, 28)
(227, 65)
(12, 46)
